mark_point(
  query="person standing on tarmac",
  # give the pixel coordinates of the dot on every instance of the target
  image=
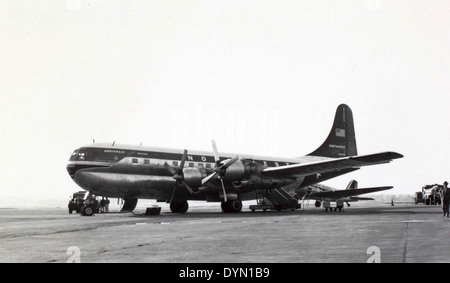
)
(446, 199)
(102, 205)
(107, 202)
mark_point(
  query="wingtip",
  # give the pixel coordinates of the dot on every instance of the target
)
(396, 155)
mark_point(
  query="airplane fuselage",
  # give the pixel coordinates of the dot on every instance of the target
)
(122, 171)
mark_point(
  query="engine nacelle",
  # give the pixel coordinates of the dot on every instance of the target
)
(193, 176)
(236, 171)
(241, 184)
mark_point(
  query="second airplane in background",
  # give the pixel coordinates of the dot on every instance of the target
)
(324, 195)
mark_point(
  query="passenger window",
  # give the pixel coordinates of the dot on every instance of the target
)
(146, 161)
(175, 163)
(208, 165)
(135, 160)
(200, 165)
(191, 165)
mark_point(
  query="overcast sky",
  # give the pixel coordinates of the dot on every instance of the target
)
(261, 77)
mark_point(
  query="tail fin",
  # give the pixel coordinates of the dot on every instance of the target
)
(353, 185)
(341, 141)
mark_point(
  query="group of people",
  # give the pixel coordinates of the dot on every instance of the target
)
(445, 196)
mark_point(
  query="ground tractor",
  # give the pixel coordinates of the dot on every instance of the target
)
(418, 198)
(87, 206)
(76, 202)
(432, 194)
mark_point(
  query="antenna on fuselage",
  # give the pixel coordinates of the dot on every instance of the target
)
(114, 142)
(93, 140)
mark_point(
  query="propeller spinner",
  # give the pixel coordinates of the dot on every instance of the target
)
(220, 169)
(177, 174)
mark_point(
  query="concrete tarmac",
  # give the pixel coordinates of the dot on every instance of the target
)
(404, 233)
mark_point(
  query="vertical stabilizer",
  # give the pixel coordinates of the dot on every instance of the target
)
(353, 185)
(341, 141)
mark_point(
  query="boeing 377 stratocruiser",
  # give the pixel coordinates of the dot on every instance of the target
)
(176, 176)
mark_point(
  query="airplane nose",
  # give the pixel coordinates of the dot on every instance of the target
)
(87, 180)
(71, 170)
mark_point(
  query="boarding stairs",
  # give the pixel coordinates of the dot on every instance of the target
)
(274, 199)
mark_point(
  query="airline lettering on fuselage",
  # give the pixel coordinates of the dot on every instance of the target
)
(114, 151)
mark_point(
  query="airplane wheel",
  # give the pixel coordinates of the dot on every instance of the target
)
(224, 206)
(236, 206)
(87, 210)
(232, 206)
(317, 204)
(179, 206)
(70, 211)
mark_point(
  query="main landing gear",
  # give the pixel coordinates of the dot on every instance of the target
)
(232, 206)
(335, 209)
(179, 206)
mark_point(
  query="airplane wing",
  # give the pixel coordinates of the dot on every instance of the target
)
(305, 169)
(347, 193)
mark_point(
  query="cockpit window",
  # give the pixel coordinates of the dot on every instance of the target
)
(75, 153)
(98, 155)
(80, 155)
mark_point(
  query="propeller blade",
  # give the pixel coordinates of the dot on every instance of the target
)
(224, 191)
(216, 152)
(229, 162)
(173, 192)
(187, 187)
(208, 178)
(170, 169)
(183, 159)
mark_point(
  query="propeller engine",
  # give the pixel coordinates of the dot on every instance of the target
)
(230, 169)
(185, 176)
